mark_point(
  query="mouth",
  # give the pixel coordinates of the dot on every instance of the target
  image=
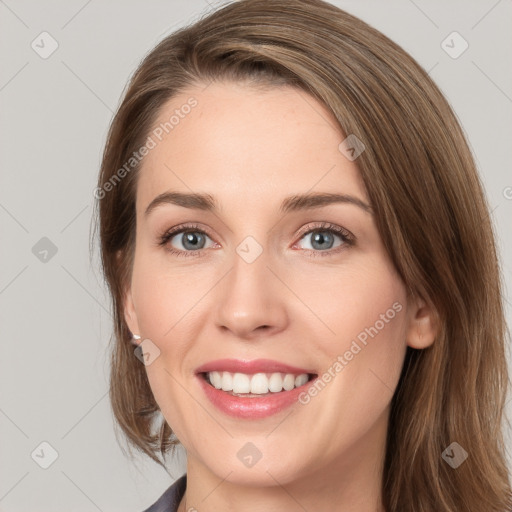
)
(253, 389)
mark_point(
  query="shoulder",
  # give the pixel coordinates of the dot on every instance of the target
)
(170, 499)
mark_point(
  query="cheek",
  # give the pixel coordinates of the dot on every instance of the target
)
(363, 355)
(363, 300)
(163, 299)
(362, 361)
(168, 304)
(376, 329)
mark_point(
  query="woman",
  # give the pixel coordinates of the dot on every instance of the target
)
(369, 375)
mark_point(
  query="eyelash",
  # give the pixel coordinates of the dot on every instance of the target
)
(347, 238)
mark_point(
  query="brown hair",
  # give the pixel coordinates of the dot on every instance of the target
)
(430, 210)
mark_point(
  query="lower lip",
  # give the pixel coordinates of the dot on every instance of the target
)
(251, 408)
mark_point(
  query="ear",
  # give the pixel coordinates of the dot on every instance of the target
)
(130, 315)
(423, 326)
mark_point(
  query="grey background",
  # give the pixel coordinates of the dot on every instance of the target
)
(54, 314)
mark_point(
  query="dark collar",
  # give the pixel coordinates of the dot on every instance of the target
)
(170, 499)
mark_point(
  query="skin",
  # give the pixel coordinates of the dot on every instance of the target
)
(250, 149)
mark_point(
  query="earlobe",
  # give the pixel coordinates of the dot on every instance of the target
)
(422, 329)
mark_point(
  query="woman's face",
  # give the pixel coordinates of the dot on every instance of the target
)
(264, 284)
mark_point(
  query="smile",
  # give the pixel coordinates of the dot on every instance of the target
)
(252, 389)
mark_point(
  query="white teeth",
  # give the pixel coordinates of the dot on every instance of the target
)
(275, 383)
(300, 380)
(227, 381)
(289, 382)
(257, 384)
(241, 383)
(216, 379)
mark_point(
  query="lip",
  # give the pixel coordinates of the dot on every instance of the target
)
(259, 406)
(251, 367)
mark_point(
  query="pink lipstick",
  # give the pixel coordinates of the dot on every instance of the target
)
(252, 389)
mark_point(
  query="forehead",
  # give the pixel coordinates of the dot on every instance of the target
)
(246, 145)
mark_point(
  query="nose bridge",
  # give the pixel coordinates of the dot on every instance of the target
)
(250, 297)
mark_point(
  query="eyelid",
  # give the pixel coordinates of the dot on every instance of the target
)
(326, 226)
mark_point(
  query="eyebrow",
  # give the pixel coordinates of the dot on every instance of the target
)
(293, 203)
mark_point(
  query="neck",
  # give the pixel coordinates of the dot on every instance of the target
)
(352, 482)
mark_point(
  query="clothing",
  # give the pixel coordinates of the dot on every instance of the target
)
(170, 499)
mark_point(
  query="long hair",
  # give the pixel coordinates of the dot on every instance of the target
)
(430, 210)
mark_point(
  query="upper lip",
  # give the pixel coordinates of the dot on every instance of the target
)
(250, 367)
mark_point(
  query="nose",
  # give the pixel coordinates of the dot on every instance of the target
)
(251, 300)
